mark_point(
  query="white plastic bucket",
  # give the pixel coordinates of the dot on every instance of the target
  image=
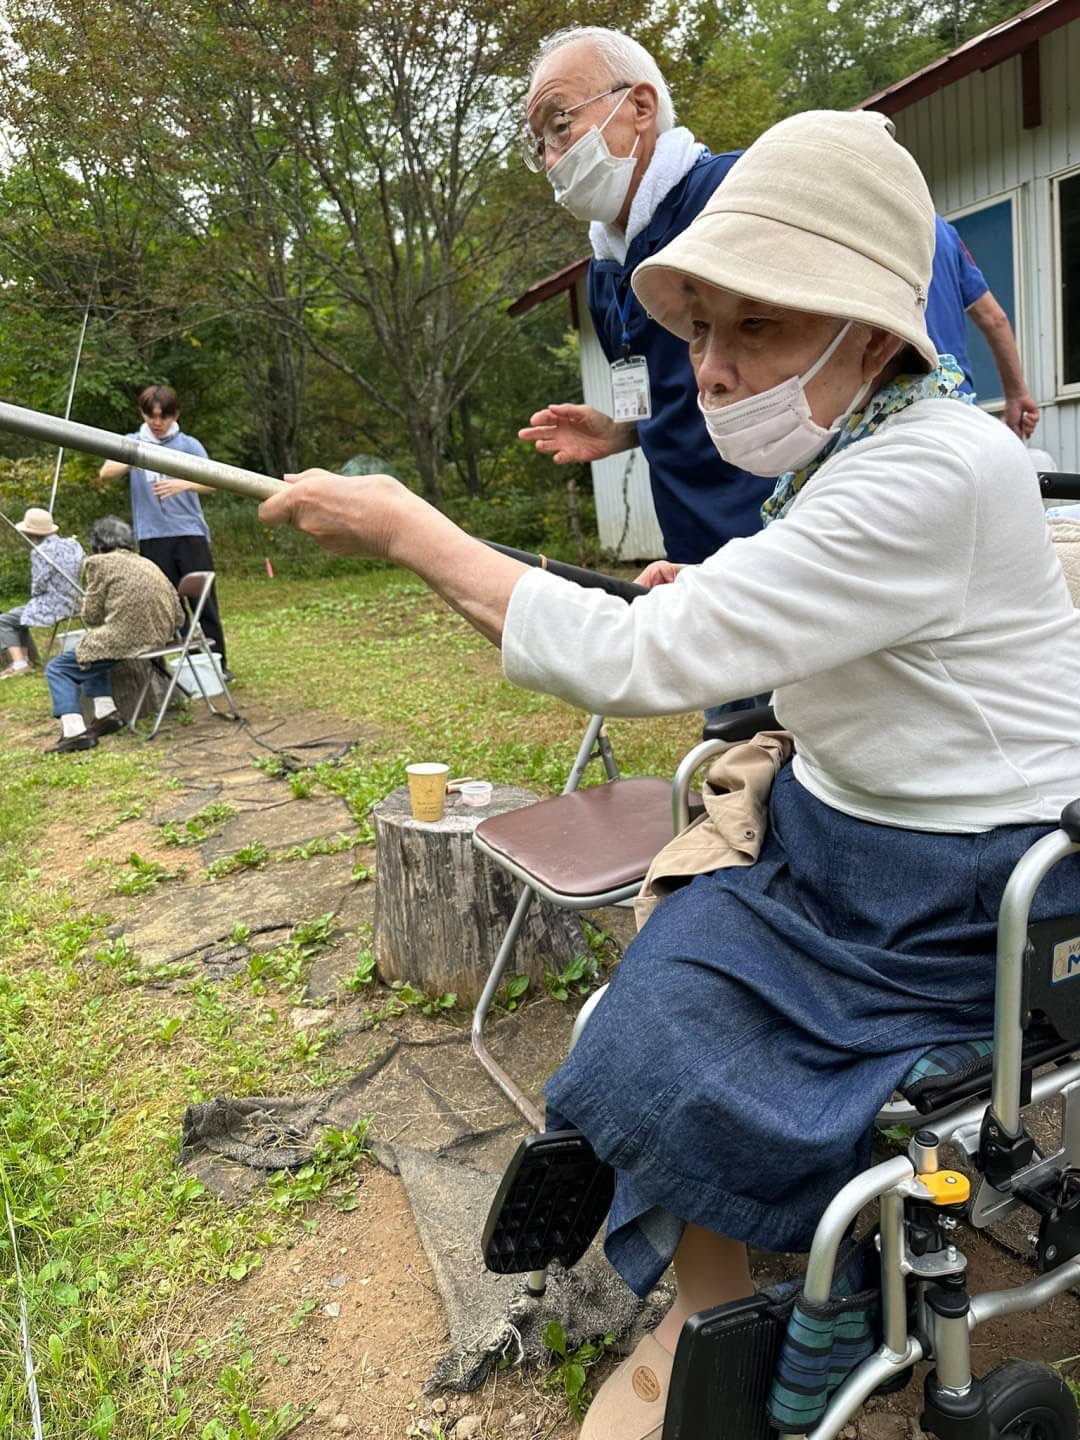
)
(206, 667)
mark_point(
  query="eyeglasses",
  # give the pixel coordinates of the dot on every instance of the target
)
(555, 131)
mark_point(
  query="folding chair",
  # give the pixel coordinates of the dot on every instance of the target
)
(195, 588)
(582, 850)
(66, 622)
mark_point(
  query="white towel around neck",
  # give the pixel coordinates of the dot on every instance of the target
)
(145, 433)
(676, 153)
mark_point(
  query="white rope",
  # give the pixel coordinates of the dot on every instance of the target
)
(24, 1330)
(71, 387)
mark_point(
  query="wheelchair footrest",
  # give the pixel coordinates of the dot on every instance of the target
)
(724, 1365)
(549, 1205)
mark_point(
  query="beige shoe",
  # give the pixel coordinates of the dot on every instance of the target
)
(630, 1404)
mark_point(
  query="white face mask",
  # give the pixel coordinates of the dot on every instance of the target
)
(591, 182)
(771, 433)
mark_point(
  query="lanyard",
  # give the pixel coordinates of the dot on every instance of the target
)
(623, 307)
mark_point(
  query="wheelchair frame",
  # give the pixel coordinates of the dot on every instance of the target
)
(943, 1334)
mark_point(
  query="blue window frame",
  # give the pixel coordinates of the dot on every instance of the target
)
(989, 235)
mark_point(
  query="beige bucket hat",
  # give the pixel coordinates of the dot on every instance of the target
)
(37, 522)
(825, 213)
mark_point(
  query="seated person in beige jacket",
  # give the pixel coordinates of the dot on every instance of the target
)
(130, 607)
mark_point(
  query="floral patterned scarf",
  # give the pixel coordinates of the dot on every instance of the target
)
(941, 384)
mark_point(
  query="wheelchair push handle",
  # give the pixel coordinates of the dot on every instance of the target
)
(1059, 485)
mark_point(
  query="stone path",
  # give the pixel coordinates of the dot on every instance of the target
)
(436, 1119)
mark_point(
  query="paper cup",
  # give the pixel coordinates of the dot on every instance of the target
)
(427, 789)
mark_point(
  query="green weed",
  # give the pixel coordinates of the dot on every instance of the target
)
(580, 977)
(287, 965)
(333, 1163)
(410, 998)
(141, 876)
(199, 826)
(363, 973)
(248, 857)
(321, 845)
(510, 995)
(569, 1374)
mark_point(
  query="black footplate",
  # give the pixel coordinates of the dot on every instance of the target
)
(549, 1205)
(724, 1365)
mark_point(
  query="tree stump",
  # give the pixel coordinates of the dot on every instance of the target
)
(442, 907)
(127, 679)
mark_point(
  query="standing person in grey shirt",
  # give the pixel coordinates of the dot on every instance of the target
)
(166, 514)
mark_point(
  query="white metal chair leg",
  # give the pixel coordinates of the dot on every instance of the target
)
(513, 1092)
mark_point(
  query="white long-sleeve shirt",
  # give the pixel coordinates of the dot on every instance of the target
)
(908, 611)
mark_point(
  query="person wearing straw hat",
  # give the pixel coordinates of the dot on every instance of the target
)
(51, 598)
(904, 604)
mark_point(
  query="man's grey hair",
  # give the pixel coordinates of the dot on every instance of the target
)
(620, 58)
(111, 533)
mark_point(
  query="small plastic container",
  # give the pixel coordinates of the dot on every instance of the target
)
(476, 792)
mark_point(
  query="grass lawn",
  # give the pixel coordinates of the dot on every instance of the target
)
(120, 1249)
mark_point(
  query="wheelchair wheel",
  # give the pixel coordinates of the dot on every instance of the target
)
(1030, 1402)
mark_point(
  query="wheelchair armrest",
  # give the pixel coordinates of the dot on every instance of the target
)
(1070, 821)
(741, 725)
(689, 765)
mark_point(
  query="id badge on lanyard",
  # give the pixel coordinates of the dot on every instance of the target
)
(630, 375)
(630, 389)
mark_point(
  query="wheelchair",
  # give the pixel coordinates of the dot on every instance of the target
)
(792, 1363)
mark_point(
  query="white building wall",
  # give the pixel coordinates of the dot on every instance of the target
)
(971, 144)
(624, 504)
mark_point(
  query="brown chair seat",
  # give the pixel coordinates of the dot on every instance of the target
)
(589, 842)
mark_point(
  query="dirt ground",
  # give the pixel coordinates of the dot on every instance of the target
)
(347, 1324)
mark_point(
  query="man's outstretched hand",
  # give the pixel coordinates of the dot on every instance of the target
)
(660, 572)
(577, 434)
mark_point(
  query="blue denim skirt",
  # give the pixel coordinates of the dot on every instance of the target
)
(763, 1016)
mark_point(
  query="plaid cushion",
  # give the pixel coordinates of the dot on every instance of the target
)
(823, 1343)
(947, 1060)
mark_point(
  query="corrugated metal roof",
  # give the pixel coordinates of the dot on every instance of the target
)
(984, 51)
(563, 279)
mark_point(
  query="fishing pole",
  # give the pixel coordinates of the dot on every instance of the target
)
(41, 555)
(203, 471)
(74, 377)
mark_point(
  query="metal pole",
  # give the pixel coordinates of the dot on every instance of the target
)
(71, 387)
(159, 458)
(165, 461)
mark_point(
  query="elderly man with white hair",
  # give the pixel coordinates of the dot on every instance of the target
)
(601, 122)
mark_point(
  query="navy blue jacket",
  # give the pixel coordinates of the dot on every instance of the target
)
(701, 501)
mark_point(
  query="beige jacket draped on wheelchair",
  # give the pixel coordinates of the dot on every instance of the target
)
(732, 828)
(1066, 537)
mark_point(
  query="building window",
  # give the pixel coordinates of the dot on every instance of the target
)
(989, 235)
(1068, 221)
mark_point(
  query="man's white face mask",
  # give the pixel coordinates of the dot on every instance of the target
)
(774, 432)
(591, 182)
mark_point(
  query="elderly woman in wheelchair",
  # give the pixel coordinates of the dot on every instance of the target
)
(904, 604)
